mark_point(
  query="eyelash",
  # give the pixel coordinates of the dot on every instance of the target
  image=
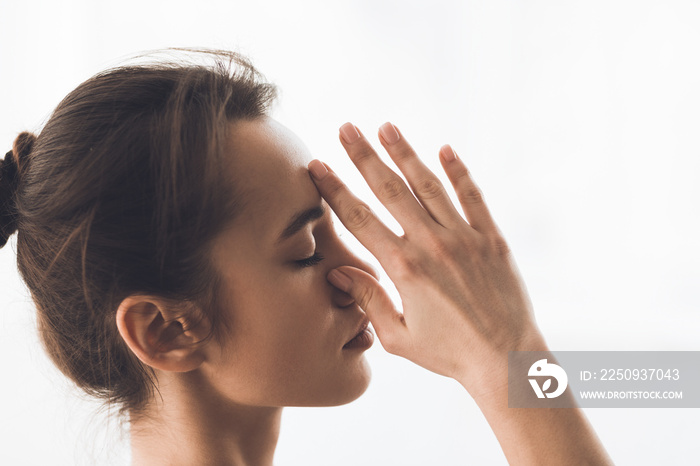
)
(310, 261)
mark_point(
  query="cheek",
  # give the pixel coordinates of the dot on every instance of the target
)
(284, 348)
(277, 366)
(282, 327)
(282, 321)
(291, 320)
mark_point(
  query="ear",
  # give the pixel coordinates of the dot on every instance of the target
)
(159, 335)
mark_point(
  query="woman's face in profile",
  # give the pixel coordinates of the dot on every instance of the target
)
(288, 322)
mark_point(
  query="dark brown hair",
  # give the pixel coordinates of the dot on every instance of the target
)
(121, 193)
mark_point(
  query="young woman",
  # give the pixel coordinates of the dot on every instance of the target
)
(179, 246)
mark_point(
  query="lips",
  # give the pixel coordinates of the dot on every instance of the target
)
(360, 328)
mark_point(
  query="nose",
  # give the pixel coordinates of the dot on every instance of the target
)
(347, 257)
(354, 260)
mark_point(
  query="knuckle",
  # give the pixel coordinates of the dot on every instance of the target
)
(409, 266)
(364, 297)
(462, 179)
(394, 253)
(363, 154)
(333, 188)
(392, 190)
(471, 194)
(440, 247)
(463, 175)
(359, 216)
(403, 153)
(499, 245)
(429, 188)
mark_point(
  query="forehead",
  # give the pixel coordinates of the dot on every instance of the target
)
(268, 163)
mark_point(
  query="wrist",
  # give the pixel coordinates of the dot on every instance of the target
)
(487, 380)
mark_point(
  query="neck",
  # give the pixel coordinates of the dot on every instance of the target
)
(185, 427)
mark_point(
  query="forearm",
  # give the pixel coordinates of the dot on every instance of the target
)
(543, 436)
(537, 436)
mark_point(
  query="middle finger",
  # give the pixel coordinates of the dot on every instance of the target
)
(426, 186)
(389, 187)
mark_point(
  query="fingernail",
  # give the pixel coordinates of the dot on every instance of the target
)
(389, 133)
(340, 279)
(318, 170)
(448, 153)
(349, 133)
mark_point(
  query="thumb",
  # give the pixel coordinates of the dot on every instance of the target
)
(388, 323)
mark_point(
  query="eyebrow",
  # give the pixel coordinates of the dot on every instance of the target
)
(300, 219)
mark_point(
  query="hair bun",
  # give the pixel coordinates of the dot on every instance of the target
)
(10, 169)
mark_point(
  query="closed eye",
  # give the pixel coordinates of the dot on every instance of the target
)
(310, 261)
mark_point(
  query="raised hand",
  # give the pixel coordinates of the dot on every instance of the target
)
(464, 303)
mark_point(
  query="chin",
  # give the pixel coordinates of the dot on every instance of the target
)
(352, 387)
(339, 391)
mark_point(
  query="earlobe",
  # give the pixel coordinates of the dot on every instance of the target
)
(158, 335)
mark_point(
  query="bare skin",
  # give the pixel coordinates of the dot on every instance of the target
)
(220, 403)
(194, 430)
(464, 307)
(464, 303)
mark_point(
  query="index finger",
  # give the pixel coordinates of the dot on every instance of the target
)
(355, 214)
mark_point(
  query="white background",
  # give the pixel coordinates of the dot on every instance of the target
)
(579, 121)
